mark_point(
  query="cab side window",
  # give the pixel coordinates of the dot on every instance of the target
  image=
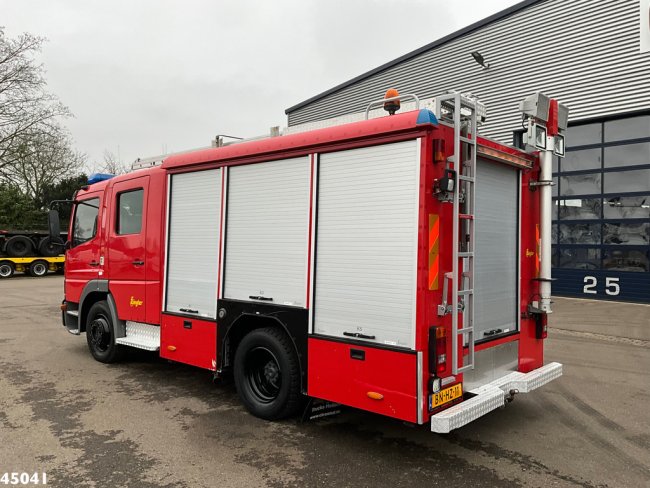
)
(85, 221)
(129, 217)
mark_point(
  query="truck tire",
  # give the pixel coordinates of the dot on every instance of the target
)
(6, 269)
(100, 334)
(49, 247)
(267, 374)
(19, 246)
(38, 268)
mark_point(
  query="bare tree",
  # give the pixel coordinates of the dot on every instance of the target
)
(25, 105)
(113, 164)
(42, 159)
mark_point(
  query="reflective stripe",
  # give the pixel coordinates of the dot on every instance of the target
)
(538, 245)
(434, 250)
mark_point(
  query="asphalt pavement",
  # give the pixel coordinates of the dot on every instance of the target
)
(147, 422)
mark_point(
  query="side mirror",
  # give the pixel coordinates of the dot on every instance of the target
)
(53, 224)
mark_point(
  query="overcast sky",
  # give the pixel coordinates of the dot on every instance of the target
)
(147, 77)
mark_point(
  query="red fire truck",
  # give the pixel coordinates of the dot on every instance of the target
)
(394, 265)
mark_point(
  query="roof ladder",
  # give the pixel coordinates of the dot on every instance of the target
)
(462, 111)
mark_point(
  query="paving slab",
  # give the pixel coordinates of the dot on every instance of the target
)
(618, 319)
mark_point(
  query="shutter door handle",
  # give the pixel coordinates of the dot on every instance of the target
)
(358, 335)
(492, 332)
(258, 297)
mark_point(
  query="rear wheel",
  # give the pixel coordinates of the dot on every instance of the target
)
(38, 268)
(19, 246)
(100, 334)
(6, 269)
(267, 374)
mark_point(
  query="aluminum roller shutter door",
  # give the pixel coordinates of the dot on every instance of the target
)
(193, 245)
(497, 248)
(366, 244)
(267, 231)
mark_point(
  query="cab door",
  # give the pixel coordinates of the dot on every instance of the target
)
(126, 248)
(82, 260)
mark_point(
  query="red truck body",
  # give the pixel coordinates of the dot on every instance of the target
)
(127, 271)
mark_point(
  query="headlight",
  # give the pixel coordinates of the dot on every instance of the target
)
(558, 145)
(540, 136)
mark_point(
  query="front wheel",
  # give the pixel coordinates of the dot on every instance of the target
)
(267, 374)
(100, 334)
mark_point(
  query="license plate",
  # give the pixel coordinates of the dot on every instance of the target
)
(445, 396)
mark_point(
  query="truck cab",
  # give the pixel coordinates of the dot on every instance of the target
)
(113, 251)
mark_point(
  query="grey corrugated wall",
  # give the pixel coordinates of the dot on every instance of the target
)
(583, 52)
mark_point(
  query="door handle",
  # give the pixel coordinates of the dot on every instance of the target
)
(93, 263)
(138, 262)
(358, 354)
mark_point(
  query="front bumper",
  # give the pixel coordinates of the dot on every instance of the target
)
(492, 396)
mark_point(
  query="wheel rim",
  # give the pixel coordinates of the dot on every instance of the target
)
(263, 374)
(19, 246)
(5, 270)
(100, 339)
(39, 269)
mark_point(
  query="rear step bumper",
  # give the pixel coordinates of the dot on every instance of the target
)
(492, 396)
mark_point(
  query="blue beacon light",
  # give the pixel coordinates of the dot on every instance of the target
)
(97, 177)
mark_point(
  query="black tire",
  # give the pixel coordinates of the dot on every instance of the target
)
(49, 247)
(6, 269)
(267, 374)
(19, 246)
(38, 268)
(100, 334)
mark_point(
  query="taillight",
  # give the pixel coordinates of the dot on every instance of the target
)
(441, 352)
(437, 350)
(541, 326)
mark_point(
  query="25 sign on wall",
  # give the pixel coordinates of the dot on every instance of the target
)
(612, 286)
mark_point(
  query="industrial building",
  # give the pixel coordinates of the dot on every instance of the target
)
(594, 56)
